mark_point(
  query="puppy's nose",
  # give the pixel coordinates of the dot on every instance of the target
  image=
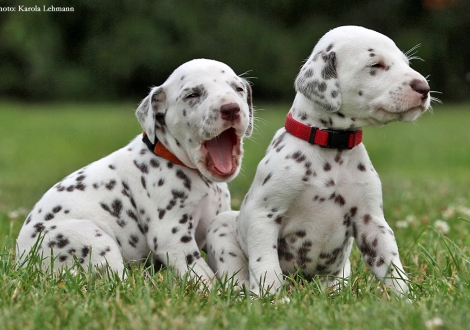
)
(230, 111)
(421, 87)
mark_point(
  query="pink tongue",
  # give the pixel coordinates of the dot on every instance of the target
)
(220, 150)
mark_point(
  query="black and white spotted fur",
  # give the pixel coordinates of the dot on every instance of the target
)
(133, 202)
(308, 204)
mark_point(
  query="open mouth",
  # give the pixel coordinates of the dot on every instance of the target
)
(222, 152)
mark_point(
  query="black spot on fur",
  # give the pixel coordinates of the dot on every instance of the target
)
(133, 240)
(115, 209)
(186, 239)
(338, 158)
(349, 216)
(380, 262)
(189, 259)
(154, 163)
(110, 185)
(298, 156)
(103, 253)
(301, 233)
(85, 251)
(155, 244)
(366, 248)
(330, 183)
(39, 228)
(61, 241)
(132, 215)
(186, 180)
(361, 167)
(329, 70)
(57, 209)
(80, 186)
(283, 250)
(121, 223)
(184, 219)
(278, 140)
(340, 200)
(266, 179)
(142, 167)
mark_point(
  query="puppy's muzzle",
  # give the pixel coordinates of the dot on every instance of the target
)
(421, 87)
(230, 111)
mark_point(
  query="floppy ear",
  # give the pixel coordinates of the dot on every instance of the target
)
(318, 80)
(249, 101)
(150, 112)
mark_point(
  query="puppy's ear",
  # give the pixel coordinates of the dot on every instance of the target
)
(318, 80)
(151, 112)
(249, 101)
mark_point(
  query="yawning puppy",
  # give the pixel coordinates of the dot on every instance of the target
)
(157, 194)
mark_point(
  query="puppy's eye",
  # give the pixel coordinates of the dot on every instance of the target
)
(192, 95)
(239, 89)
(377, 65)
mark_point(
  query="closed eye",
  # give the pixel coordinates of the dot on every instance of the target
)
(377, 65)
(192, 95)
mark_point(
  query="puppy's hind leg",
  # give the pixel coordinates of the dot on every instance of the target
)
(225, 256)
(68, 242)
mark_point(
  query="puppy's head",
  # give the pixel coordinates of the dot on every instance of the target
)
(201, 114)
(361, 74)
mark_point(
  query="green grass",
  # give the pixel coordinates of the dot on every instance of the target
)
(425, 171)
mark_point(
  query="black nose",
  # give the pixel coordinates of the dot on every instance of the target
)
(421, 87)
(230, 111)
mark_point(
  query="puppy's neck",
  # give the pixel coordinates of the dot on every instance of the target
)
(312, 114)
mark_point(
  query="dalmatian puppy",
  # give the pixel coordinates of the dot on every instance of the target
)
(316, 191)
(157, 194)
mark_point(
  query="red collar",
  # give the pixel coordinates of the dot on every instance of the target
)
(326, 138)
(160, 150)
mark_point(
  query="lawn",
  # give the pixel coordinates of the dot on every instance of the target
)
(425, 171)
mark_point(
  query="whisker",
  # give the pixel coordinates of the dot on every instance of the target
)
(243, 75)
(411, 53)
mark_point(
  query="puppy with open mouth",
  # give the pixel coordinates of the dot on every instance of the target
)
(157, 195)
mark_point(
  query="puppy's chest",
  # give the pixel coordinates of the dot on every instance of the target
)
(316, 235)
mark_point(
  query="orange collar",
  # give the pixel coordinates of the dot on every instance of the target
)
(160, 150)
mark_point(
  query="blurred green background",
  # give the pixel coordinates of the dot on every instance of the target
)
(70, 82)
(110, 50)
